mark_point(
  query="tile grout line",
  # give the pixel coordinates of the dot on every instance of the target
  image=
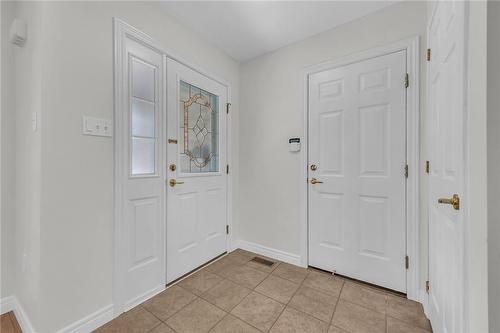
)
(338, 301)
(286, 305)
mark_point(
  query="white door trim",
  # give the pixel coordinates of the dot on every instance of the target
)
(121, 31)
(411, 46)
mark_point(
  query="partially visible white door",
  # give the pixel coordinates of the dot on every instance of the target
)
(446, 91)
(196, 208)
(139, 165)
(357, 140)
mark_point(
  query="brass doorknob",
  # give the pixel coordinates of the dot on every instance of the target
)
(454, 201)
(174, 182)
(315, 181)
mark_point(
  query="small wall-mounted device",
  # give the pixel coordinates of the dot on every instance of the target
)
(294, 144)
(97, 126)
(17, 33)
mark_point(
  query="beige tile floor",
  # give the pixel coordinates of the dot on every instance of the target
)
(234, 295)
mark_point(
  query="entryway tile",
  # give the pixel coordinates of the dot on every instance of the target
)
(334, 329)
(241, 256)
(357, 319)
(221, 264)
(408, 311)
(169, 302)
(231, 324)
(137, 320)
(356, 293)
(314, 302)
(200, 282)
(277, 288)
(293, 321)
(325, 282)
(244, 275)
(226, 295)
(290, 272)
(162, 328)
(259, 311)
(199, 316)
(397, 326)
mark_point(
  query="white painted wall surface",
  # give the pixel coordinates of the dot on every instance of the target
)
(7, 140)
(271, 106)
(493, 118)
(74, 201)
(27, 89)
(476, 202)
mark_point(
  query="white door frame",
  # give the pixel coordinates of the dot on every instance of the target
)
(411, 46)
(123, 30)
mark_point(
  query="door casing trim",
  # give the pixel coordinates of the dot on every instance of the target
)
(412, 47)
(122, 30)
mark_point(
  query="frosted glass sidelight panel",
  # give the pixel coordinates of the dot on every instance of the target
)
(199, 128)
(143, 118)
(143, 156)
(143, 80)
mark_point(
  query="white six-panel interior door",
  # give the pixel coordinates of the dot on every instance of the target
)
(446, 91)
(170, 168)
(357, 158)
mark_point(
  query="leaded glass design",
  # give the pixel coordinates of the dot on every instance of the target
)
(199, 130)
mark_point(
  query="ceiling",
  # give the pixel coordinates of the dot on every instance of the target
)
(247, 29)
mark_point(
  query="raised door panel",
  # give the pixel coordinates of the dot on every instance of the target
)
(357, 127)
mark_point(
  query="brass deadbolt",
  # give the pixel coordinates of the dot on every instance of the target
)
(172, 167)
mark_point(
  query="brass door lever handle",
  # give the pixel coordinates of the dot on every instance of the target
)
(315, 181)
(454, 201)
(174, 182)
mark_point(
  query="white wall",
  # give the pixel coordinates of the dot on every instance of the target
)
(271, 111)
(476, 197)
(75, 203)
(493, 138)
(7, 140)
(24, 184)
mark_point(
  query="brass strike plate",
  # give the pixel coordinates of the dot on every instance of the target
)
(173, 141)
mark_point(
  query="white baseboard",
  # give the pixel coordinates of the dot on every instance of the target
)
(91, 322)
(290, 258)
(11, 303)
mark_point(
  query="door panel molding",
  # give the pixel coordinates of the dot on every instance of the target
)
(411, 46)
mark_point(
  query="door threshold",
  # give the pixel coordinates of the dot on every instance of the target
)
(371, 285)
(195, 270)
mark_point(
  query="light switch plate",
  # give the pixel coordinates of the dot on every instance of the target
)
(97, 126)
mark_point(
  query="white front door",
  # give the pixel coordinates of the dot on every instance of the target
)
(446, 91)
(140, 174)
(196, 175)
(357, 140)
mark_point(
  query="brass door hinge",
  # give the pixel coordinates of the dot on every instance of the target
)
(427, 167)
(407, 262)
(227, 169)
(407, 80)
(228, 105)
(428, 54)
(227, 229)
(427, 286)
(406, 170)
